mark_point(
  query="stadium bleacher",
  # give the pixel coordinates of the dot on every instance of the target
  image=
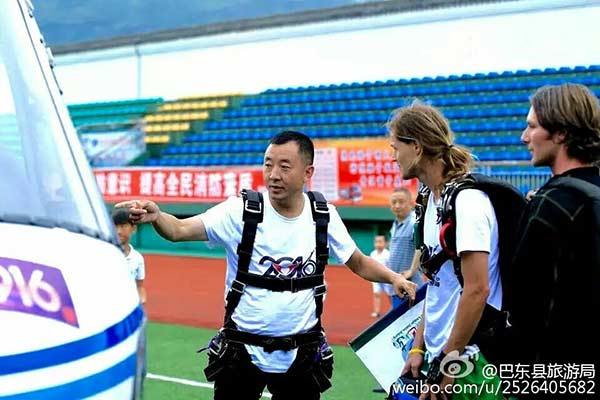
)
(486, 110)
(104, 114)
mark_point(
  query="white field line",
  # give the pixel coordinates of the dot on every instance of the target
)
(188, 382)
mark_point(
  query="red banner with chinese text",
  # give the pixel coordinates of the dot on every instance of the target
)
(359, 172)
(177, 185)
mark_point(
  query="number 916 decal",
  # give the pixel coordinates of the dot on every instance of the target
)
(35, 289)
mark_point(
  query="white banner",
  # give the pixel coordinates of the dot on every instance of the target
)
(113, 149)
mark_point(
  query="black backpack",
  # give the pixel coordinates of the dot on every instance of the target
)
(508, 204)
(591, 194)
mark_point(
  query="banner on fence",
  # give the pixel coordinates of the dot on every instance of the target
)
(177, 185)
(360, 172)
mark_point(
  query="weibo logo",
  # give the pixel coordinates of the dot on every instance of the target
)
(35, 289)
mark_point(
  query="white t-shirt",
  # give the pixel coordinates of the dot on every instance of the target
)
(476, 230)
(135, 263)
(283, 247)
(383, 258)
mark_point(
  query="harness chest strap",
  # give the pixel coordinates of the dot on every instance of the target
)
(276, 284)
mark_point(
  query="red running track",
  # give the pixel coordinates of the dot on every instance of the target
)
(190, 291)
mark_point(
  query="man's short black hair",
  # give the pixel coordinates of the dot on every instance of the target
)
(120, 216)
(305, 144)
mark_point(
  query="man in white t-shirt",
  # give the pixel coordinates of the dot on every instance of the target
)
(423, 148)
(382, 255)
(267, 321)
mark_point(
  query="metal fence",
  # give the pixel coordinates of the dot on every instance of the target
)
(526, 179)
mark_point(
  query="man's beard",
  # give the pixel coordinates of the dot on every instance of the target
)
(411, 172)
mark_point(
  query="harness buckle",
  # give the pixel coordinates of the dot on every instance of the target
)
(320, 207)
(294, 286)
(323, 258)
(285, 343)
(289, 343)
(320, 290)
(242, 252)
(252, 206)
(238, 286)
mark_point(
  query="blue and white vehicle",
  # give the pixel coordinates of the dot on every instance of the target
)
(70, 319)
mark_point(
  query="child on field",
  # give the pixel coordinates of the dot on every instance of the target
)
(382, 255)
(135, 261)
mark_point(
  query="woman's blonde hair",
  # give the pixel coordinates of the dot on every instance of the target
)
(427, 126)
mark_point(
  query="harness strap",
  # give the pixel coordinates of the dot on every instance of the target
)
(270, 343)
(252, 216)
(431, 264)
(278, 284)
(420, 207)
(320, 213)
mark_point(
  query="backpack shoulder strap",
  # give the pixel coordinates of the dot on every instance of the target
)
(420, 208)
(450, 193)
(448, 217)
(508, 203)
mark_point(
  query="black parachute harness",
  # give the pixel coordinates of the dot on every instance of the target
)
(431, 263)
(253, 215)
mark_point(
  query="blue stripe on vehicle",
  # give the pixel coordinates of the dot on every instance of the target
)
(85, 387)
(73, 351)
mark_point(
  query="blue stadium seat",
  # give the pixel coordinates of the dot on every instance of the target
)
(487, 111)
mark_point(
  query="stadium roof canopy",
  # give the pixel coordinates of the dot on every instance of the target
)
(72, 25)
